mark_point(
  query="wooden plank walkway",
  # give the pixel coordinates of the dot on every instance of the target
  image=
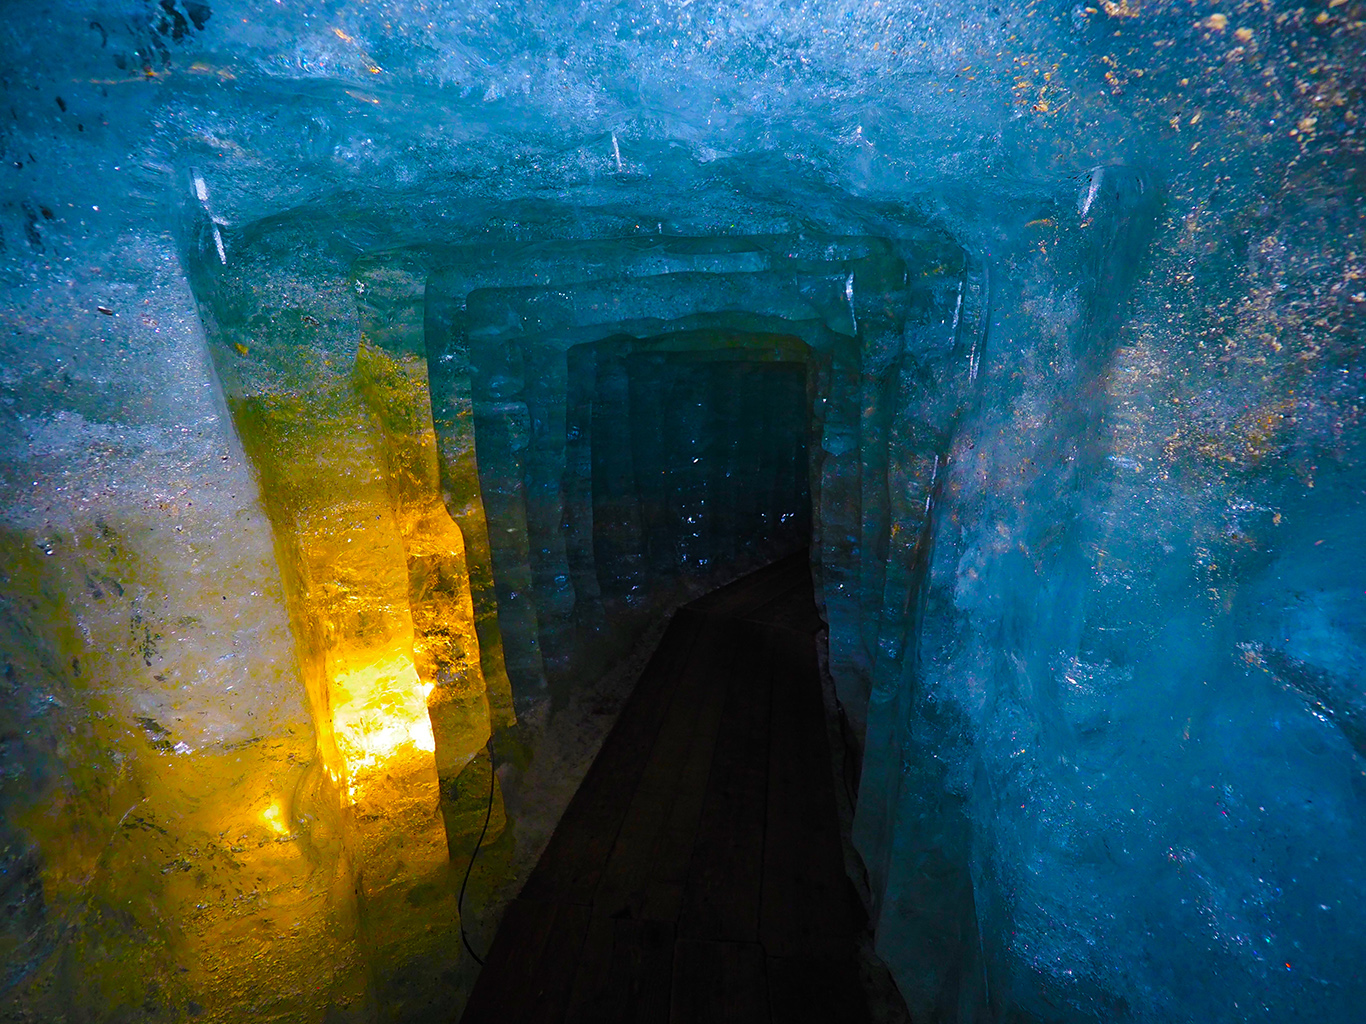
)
(697, 875)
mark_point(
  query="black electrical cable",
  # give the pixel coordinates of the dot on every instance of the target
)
(460, 900)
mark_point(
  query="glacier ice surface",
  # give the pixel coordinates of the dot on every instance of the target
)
(356, 358)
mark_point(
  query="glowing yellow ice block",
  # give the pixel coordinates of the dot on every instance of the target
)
(379, 712)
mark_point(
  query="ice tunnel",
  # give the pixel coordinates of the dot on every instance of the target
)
(899, 468)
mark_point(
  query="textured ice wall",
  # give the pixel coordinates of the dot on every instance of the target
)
(1118, 750)
(608, 479)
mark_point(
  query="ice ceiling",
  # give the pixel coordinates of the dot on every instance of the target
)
(354, 356)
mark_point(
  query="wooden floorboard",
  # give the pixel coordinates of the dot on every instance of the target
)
(544, 941)
(725, 880)
(794, 609)
(807, 905)
(572, 864)
(698, 873)
(644, 875)
(736, 600)
(625, 974)
(818, 990)
(718, 983)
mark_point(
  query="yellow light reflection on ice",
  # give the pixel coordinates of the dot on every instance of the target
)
(274, 817)
(378, 710)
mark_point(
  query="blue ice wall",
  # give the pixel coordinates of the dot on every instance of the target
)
(1077, 294)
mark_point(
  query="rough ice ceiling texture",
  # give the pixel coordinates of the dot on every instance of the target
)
(1114, 763)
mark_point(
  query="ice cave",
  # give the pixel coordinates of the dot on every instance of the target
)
(683, 510)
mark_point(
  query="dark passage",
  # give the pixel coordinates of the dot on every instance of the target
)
(697, 875)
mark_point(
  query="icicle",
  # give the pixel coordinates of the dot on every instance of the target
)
(849, 298)
(1097, 176)
(201, 192)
